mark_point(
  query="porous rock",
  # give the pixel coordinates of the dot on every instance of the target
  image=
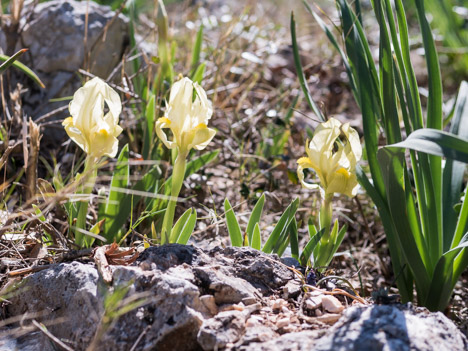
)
(70, 298)
(225, 328)
(173, 315)
(392, 327)
(64, 21)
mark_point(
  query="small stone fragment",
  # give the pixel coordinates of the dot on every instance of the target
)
(249, 301)
(329, 318)
(332, 304)
(313, 302)
(283, 322)
(292, 289)
(318, 312)
(232, 307)
(210, 304)
(278, 304)
(225, 328)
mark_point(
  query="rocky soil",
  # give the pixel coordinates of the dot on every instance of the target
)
(178, 297)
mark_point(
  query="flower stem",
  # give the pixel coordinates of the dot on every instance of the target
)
(322, 251)
(325, 215)
(89, 179)
(178, 174)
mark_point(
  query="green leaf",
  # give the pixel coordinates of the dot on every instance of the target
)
(197, 50)
(184, 227)
(415, 253)
(11, 61)
(149, 117)
(294, 240)
(436, 142)
(441, 285)
(311, 245)
(256, 238)
(281, 227)
(198, 74)
(454, 171)
(255, 217)
(111, 210)
(197, 163)
(232, 224)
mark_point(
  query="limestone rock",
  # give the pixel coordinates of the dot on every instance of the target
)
(180, 311)
(64, 22)
(226, 328)
(392, 327)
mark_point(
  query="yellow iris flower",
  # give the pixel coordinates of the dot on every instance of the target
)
(95, 132)
(187, 117)
(332, 161)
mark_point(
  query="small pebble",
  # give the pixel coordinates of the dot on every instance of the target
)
(329, 318)
(249, 301)
(332, 304)
(209, 302)
(318, 312)
(313, 302)
(278, 304)
(283, 322)
(239, 307)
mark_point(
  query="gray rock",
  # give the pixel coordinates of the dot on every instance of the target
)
(64, 21)
(392, 327)
(175, 281)
(54, 34)
(301, 341)
(225, 328)
(171, 279)
(56, 294)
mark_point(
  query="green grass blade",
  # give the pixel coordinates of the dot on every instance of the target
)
(232, 224)
(181, 232)
(255, 217)
(454, 171)
(434, 100)
(390, 108)
(164, 49)
(462, 223)
(293, 239)
(197, 163)
(198, 74)
(404, 279)
(111, 210)
(441, 286)
(196, 51)
(413, 99)
(419, 262)
(256, 242)
(281, 227)
(149, 117)
(310, 246)
(300, 72)
(11, 61)
(434, 117)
